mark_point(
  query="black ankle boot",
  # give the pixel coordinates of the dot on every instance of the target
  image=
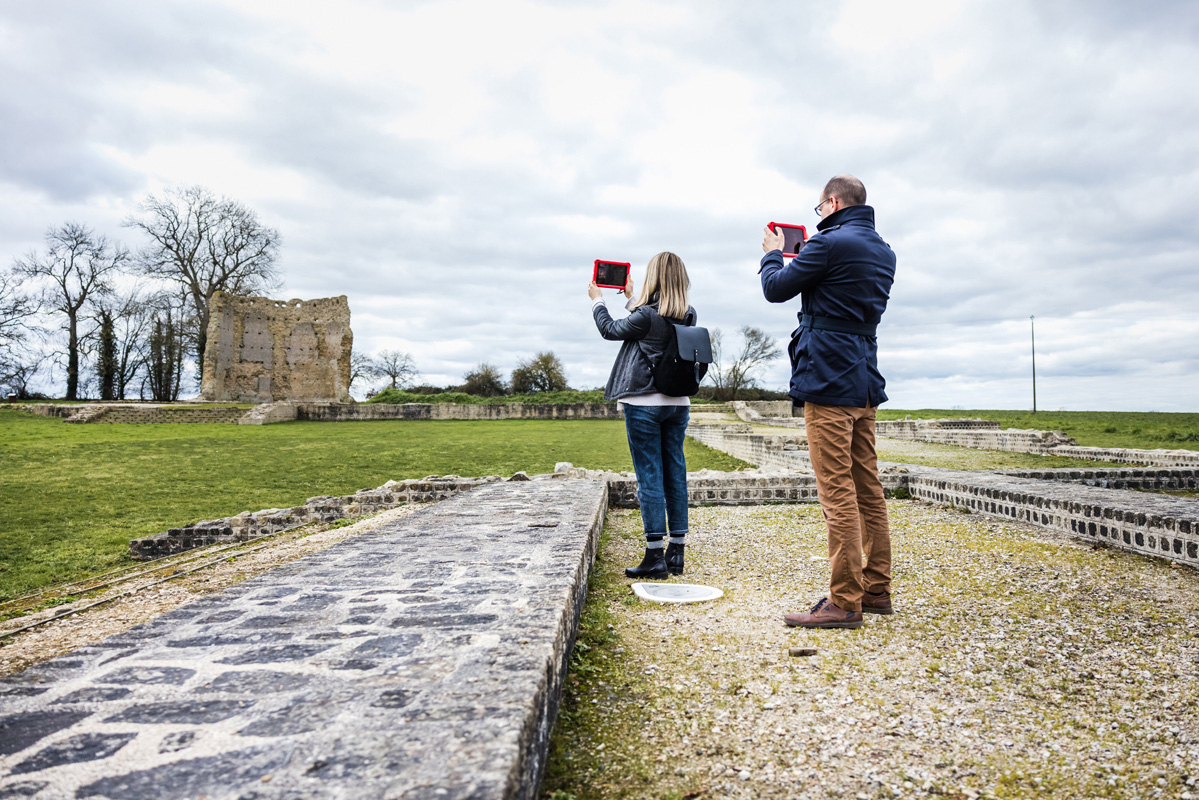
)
(652, 566)
(674, 558)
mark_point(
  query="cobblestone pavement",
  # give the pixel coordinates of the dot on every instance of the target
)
(1020, 663)
(419, 661)
(62, 635)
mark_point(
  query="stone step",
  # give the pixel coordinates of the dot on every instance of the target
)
(1162, 526)
(422, 659)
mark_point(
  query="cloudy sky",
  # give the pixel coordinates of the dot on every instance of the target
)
(455, 167)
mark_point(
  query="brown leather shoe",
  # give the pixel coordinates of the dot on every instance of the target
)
(877, 603)
(825, 615)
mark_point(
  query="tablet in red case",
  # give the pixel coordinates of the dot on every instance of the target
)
(794, 237)
(611, 274)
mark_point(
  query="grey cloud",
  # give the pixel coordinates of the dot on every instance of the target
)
(54, 97)
(1113, 19)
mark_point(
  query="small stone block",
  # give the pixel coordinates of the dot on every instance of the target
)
(797, 652)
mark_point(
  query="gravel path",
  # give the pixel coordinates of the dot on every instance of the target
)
(1018, 664)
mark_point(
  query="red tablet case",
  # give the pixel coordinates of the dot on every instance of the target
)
(595, 273)
(803, 232)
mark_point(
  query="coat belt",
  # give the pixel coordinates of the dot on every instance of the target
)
(837, 325)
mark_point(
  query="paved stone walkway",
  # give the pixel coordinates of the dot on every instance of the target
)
(420, 660)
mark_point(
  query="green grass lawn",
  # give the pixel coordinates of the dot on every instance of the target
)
(1148, 430)
(72, 496)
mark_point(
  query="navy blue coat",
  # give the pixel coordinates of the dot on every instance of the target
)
(844, 273)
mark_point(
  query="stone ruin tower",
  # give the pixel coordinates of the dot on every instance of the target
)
(261, 350)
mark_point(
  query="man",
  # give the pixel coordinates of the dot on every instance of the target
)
(843, 276)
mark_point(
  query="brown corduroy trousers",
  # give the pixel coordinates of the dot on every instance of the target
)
(841, 446)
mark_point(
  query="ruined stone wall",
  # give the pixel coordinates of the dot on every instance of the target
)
(150, 414)
(61, 410)
(770, 408)
(261, 350)
(105, 413)
(915, 428)
(1150, 480)
(1084, 503)
(1125, 455)
(787, 453)
(250, 525)
(1010, 439)
(324, 412)
(1154, 525)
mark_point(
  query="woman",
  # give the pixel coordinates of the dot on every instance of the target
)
(655, 423)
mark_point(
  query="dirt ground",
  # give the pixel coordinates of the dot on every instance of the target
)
(1018, 664)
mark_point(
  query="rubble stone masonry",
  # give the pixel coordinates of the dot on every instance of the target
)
(261, 350)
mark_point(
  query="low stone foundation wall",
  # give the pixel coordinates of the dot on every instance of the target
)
(1177, 478)
(788, 453)
(329, 412)
(1165, 458)
(103, 413)
(912, 428)
(268, 413)
(1093, 504)
(250, 525)
(1012, 440)
(769, 408)
(149, 414)
(60, 410)
(776, 413)
(987, 435)
(706, 488)
(1149, 524)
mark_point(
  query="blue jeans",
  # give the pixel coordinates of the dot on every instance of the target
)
(656, 443)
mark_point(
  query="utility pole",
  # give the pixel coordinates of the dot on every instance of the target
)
(1032, 328)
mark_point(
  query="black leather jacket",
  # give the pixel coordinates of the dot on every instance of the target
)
(631, 374)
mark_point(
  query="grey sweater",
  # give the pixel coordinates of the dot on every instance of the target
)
(632, 373)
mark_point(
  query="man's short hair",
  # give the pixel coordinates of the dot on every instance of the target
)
(846, 188)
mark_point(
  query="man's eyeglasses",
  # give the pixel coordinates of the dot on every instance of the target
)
(822, 202)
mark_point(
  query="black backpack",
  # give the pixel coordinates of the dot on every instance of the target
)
(684, 362)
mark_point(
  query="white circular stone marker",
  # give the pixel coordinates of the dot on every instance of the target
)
(675, 592)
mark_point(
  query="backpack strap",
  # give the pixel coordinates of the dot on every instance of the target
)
(661, 329)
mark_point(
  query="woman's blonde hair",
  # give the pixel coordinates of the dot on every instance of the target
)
(666, 277)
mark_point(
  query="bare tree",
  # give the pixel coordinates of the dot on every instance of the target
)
(731, 376)
(362, 368)
(16, 375)
(131, 314)
(205, 244)
(79, 266)
(542, 373)
(19, 361)
(398, 367)
(18, 309)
